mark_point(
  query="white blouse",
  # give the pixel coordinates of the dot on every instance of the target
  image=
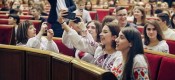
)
(42, 43)
(162, 46)
(101, 58)
(86, 56)
(139, 70)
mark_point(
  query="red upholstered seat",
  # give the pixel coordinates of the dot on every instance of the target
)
(167, 69)
(4, 21)
(101, 13)
(25, 17)
(2, 16)
(93, 15)
(154, 63)
(4, 12)
(140, 28)
(6, 32)
(111, 9)
(36, 23)
(62, 48)
(171, 44)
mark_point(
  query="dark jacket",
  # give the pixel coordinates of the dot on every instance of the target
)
(53, 14)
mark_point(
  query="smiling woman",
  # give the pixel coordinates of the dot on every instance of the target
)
(134, 66)
(154, 38)
(26, 36)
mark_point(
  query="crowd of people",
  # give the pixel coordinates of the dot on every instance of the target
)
(114, 44)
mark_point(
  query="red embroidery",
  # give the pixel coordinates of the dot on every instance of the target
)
(136, 74)
(117, 70)
(81, 54)
(142, 73)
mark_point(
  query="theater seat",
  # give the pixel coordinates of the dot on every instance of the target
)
(101, 13)
(167, 69)
(171, 44)
(6, 32)
(4, 21)
(25, 17)
(154, 63)
(4, 12)
(62, 48)
(140, 28)
(2, 16)
(111, 10)
(93, 15)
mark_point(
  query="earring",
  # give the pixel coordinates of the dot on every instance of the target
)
(130, 45)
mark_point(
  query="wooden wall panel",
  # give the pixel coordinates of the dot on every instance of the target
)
(37, 66)
(12, 64)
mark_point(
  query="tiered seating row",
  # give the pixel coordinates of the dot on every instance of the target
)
(161, 65)
(22, 63)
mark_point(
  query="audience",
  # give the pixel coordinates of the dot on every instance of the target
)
(154, 38)
(114, 45)
(134, 65)
(26, 36)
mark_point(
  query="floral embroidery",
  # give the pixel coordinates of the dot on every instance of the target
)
(117, 71)
(140, 73)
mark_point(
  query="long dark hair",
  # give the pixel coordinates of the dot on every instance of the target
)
(160, 35)
(172, 24)
(107, 19)
(22, 36)
(133, 36)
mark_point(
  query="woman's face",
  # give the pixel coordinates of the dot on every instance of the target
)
(31, 32)
(151, 31)
(122, 43)
(147, 7)
(106, 36)
(137, 13)
(88, 6)
(92, 29)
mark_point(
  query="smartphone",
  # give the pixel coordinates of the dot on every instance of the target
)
(77, 20)
(70, 15)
